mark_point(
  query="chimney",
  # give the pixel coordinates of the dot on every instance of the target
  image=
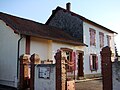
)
(68, 6)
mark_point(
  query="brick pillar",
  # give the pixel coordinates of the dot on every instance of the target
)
(21, 72)
(61, 83)
(106, 65)
(32, 70)
(23, 58)
(35, 59)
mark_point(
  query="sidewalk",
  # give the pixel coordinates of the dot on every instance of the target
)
(88, 79)
(2, 87)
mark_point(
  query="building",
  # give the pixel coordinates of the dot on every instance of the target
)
(85, 31)
(21, 36)
(79, 39)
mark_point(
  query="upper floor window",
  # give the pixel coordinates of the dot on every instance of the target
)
(92, 36)
(108, 40)
(101, 38)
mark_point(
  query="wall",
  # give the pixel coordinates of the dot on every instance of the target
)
(56, 46)
(8, 55)
(39, 46)
(45, 84)
(95, 49)
(116, 75)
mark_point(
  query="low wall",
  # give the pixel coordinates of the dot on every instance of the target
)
(116, 75)
(45, 77)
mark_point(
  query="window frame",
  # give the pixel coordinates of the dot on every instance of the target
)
(108, 40)
(69, 69)
(101, 39)
(92, 33)
(95, 67)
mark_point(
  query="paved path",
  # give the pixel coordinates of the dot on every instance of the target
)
(89, 85)
(5, 88)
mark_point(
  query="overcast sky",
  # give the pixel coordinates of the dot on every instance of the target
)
(104, 12)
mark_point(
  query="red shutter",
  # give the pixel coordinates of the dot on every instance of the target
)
(74, 60)
(96, 62)
(90, 62)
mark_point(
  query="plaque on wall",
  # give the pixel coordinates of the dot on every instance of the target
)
(44, 72)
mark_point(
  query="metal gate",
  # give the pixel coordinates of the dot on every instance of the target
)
(106, 65)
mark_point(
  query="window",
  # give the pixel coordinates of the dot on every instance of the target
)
(70, 58)
(92, 36)
(93, 62)
(108, 40)
(101, 38)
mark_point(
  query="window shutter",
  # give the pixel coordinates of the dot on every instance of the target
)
(96, 62)
(74, 60)
(90, 62)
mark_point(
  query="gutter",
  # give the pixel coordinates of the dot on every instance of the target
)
(18, 54)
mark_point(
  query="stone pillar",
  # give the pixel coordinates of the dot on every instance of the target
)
(23, 58)
(61, 83)
(106, 65)
(34, 58)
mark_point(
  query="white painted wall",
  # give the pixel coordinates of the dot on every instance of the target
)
(45, 84)
(94, 49)
(40, 47)
(8, 55)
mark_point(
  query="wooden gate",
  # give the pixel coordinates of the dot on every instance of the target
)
(106, 65)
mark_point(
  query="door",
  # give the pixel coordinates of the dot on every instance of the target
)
(80, 65)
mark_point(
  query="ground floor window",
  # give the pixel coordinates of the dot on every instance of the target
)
(93, 62)
(70, 58)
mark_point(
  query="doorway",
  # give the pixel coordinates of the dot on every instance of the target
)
(80, 64)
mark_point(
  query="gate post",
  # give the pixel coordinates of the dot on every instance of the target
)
(23, 58)
(21, 72)
(35, 59)
(32, 69)
(106, 66)
(61, 83)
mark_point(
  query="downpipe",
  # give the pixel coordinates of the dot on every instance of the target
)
(18, 59)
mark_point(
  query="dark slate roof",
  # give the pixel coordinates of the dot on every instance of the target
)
(81, 17)
(32, 28)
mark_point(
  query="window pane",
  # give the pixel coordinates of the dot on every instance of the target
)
(92, 37)
(101, 38)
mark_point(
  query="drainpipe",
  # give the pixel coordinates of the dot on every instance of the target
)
(18, 54)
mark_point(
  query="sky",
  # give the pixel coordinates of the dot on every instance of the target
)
(103, 12)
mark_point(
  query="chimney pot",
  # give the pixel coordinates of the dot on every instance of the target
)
(68, 6)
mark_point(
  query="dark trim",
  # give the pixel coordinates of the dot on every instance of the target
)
(27, 49)
(66, 49)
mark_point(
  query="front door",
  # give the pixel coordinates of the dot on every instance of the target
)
(80, 65)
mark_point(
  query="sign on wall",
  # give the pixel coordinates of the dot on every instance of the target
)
(44, 72)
